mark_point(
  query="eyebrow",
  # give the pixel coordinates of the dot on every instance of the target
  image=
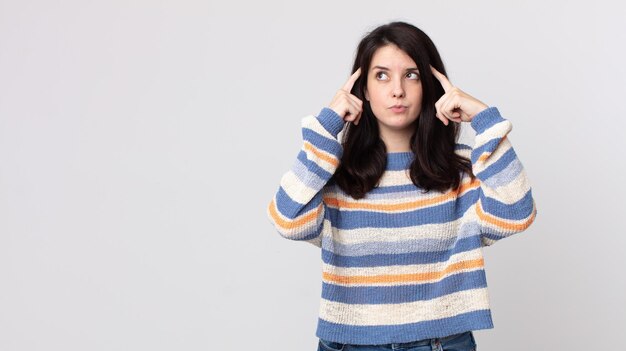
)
(387, 69)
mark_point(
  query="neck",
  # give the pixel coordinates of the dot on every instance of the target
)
(396, 140)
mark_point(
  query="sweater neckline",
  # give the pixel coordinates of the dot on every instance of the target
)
(399, 160)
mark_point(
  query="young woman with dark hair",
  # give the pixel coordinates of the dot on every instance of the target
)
(399, 208)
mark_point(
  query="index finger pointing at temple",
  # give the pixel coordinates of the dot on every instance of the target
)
(445, 83)
(350, 83)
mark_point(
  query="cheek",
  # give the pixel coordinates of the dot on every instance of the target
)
(376, 94)
(376, 102)
(417, 94)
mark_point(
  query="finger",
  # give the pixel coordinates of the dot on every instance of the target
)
(355, 100)
(351, 108)
(453, 107)
(358, 119)
(439, 109)
(357, 116)
(443, 119)
(356, 105)
(353, 117)
(439, 116)
(449, 105)
(445, 83)
(350, 83)
(355, 111)
(440, 113)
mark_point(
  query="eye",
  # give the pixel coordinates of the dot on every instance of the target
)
(413, 75)
(381, 76)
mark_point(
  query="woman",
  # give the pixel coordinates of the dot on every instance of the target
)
(399, 209)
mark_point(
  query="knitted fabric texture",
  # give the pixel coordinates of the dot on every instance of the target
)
(400, 264)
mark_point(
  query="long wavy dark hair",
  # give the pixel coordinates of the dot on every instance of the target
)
(436, 165)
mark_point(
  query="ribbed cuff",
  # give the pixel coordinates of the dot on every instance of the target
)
(331, 121)
(485, 119)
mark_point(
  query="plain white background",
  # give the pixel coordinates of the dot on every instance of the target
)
(141, 141)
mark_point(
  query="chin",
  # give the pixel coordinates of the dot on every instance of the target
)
(401, 123)
(399, 126)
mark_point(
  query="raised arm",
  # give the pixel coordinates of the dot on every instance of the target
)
(504, 204)
(297, 210)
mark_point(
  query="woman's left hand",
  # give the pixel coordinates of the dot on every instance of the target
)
(455, 104)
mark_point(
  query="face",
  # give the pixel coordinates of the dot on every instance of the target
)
(394, 89)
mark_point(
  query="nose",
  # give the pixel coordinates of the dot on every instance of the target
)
(398, 89)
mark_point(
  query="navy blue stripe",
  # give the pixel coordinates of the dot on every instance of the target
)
(321, 142)
(447, 212)
(404, 293)
(462, 245)
(498, 166)
(312, 166)
(397, 161)
(518, 210)
(489, 146)
(291, 209)
(486, 119)
(495, 236)
(331, 121)
(460, 146)
(370, 335)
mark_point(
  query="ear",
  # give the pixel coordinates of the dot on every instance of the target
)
(367, 95)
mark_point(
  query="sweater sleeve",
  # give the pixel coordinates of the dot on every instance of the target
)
(297, 209)
(504, 205)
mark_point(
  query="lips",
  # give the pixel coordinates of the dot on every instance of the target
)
(398, 108)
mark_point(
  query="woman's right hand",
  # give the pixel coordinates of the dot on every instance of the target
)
(346, 105)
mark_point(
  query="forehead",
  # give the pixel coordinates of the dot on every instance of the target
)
(391, 56)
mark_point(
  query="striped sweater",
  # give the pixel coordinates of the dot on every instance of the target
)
(401, 265)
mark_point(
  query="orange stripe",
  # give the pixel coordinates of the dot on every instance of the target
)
(486, 155)
(333, 161)
(502, 223)
(406, 205)
(296, 223)
(404, 278)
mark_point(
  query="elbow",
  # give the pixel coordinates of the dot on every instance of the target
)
(301, 228)
(513, 219)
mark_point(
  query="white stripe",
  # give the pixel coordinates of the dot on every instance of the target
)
(426, 231)
(411, 312)
(511, 192)
(325, 165)
(467, 153)
(307, 177)
(494, 157)
(296, 189)
(496, 131)
(392, 178)
(311, 122)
